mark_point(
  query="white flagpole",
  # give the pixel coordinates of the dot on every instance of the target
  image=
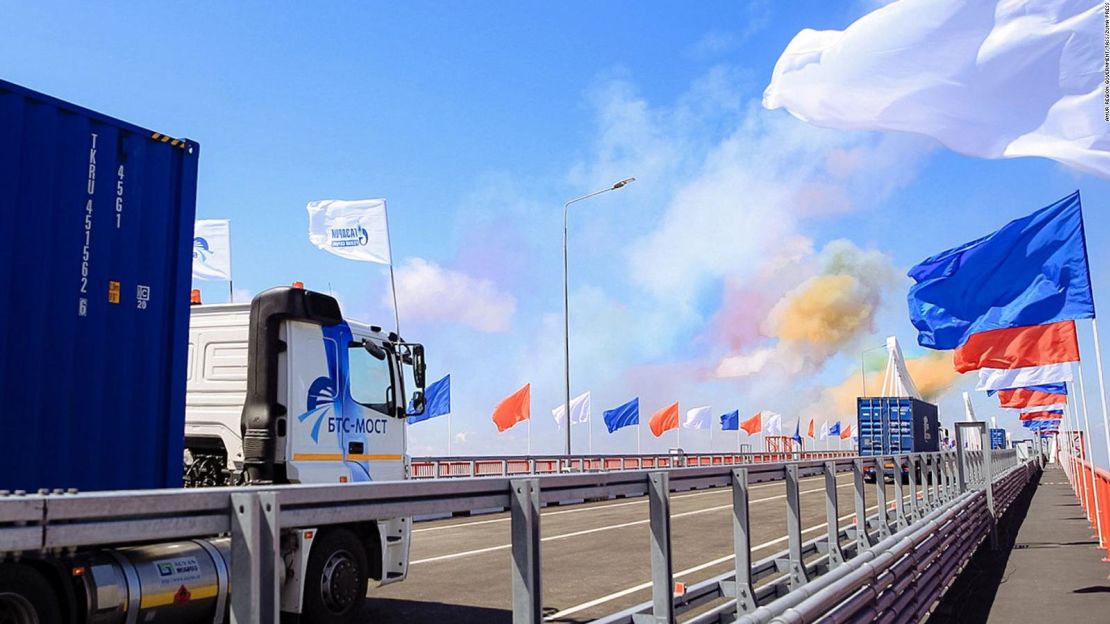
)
(393, 285)
(529, 436)
(1087, 450)
(637, 438)
(590, 432)
(710, 437)
(449, 434)
(678, 434)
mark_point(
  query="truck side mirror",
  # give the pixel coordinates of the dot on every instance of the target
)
(417, 403)
(419, 368)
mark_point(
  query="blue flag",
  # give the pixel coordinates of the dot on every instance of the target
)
(1054, 388)
(1033, 271)
(623, 416)
(798, 431)
(731, 421)
(835, 429)
(437, 401)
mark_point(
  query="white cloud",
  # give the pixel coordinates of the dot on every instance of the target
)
(429, 292)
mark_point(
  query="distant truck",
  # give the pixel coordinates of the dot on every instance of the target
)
(100, 334)
(894, 426)
(998, 439)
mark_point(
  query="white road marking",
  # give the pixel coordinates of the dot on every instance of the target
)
(604, 506)
(610, 527)
(697, 568)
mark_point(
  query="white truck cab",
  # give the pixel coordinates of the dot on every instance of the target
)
(284, 390)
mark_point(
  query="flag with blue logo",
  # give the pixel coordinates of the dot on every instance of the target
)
(797, 437)
(623, 416)
(1033, 271)
(731, 421)
(212, 249)
(835, 429)
(437, 401)
(356, 230)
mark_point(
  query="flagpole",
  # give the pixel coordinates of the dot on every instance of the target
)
(1088, 448)
(392, 279)
(637, 437)
(449, 434)
(530, 435)
(590, 432)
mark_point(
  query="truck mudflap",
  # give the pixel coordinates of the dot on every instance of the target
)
(263, 413)
(395, 535)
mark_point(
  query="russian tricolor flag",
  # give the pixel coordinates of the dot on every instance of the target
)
(1007, 302)
(1017, 357)
(1032, 396)
(1043, 415)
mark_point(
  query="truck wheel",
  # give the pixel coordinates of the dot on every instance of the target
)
(26, 597)
(335, 583)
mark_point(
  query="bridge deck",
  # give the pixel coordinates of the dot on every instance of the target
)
(1049, 568)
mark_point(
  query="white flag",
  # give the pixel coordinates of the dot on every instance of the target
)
(579, 410)
(987, 78)
(824, 430)
(699, 418)
(212, 249)
(357, 230)
(773, 423)
(1003, 378)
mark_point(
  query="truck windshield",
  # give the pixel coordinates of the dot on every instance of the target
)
(369, 378)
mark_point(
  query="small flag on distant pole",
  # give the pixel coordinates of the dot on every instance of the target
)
(700, 418)
(730, 421)
(579, 410)
(626, 415)
(212, 249)
(515, 408)
(437, 401)
(753, 425)
(664, 420)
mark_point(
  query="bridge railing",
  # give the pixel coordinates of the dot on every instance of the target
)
(1094, 496)
(936, 517)
(516, 465)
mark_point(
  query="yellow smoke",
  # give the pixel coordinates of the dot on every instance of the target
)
(932, 373)
(825, 310)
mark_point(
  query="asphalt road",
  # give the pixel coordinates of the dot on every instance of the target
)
(595, 556)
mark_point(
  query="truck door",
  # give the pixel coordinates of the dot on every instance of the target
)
(374, 440)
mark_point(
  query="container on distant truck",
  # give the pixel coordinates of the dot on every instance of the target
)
(895, 426)
(998, 439)
(97, 228)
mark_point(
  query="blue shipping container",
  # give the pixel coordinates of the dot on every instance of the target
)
(998, 438)
(97, 228)
(896, 425)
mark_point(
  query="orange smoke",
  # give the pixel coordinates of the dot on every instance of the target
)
(825, 310)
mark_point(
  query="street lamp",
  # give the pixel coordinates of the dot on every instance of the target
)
(862, 371)
(566, 301)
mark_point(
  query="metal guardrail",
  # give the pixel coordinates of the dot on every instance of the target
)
(516, 465)
(937, 488)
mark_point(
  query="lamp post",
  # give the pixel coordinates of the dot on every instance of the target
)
(566, 302)
(862, 370)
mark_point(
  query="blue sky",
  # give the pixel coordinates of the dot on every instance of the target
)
(477, 122)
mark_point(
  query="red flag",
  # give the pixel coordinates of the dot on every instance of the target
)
(515, 408)
(1028, 397)
(810, 433)
(664, 420)
(1042, 415)
(1018, 347)
(846, 432)
(753, 425)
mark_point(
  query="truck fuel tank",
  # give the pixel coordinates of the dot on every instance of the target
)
(174, 582)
